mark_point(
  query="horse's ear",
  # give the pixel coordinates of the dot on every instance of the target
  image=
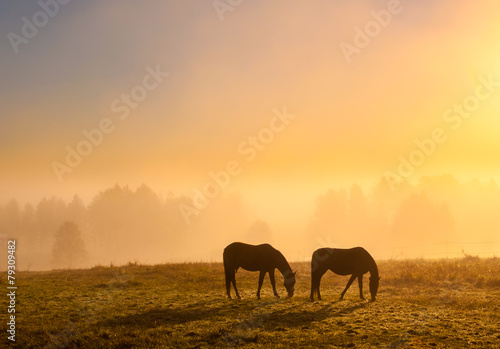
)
(294, 273)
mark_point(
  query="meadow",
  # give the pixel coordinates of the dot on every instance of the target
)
(421, 304)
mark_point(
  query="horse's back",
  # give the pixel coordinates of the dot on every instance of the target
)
(342, 252)
(241, 246)
(249, 257)
(357, 251)
(233, 250)
(344, 261)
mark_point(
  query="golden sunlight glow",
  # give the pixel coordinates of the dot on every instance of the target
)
(266, 111)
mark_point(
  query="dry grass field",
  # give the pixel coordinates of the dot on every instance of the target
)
(421, 304)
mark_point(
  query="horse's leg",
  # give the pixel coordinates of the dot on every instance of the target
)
(229, 273)
(228, 284)
(273, 283)
(360, 281)
(236, 290)
(353, 276)
(313, 287)
(261, 280)
(234, 284)
(319, 282)
(315, 282)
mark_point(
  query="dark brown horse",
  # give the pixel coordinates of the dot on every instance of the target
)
(354, 261)
(263, 258)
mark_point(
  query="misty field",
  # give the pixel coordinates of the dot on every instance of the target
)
(421, 304)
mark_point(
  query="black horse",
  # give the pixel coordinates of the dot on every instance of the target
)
(354, 261)
(263, 258)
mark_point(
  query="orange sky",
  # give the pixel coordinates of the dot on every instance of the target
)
(353, 120)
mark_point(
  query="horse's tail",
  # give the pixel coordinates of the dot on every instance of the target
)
(229, 277)
(317, 261)
(226, 257)
(314, 275)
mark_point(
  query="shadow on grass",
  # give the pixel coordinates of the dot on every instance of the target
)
(300, 317)
(166, 316)
(255, 311)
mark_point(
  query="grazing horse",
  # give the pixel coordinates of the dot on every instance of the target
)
(354, 261)
(263, 258)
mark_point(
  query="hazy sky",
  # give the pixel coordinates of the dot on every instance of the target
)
(356, 114)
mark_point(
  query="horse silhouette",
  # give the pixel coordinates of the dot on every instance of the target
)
(263, 258)
(354, 261)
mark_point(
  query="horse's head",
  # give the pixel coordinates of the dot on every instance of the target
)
(290, 283)
(374, 281)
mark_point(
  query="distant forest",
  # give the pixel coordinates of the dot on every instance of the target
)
(122, 225)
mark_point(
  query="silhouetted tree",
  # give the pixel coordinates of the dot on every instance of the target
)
(259, 233)
(123, 220)
(420, 222)
(330, 218)
(76, 211)
(69, 247)
(11, 220)
(28, 232)
(360, 220)
(50, 213)
(109, 215)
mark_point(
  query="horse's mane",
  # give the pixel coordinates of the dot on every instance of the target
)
(282, 263)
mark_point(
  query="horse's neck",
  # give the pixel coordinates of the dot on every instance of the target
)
(373, 269)
(282, 264)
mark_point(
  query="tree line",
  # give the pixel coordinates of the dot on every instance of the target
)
(120, 225)
(435, 210)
